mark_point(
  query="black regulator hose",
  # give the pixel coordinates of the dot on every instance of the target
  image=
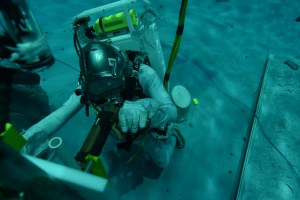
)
(76, 42)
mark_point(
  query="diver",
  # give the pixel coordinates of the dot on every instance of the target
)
(141, 137)
(108, 77)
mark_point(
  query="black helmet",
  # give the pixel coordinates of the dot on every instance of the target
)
(104, 68)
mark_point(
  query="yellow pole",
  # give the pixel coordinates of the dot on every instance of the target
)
(176, 43)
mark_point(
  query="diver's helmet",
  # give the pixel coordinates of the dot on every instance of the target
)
(104, 68)
(22, 41)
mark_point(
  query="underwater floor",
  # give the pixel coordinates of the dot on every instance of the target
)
(221, 61)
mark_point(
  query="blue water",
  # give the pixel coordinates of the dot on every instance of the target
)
(220, 61)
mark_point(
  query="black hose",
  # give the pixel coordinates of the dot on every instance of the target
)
(76, 42)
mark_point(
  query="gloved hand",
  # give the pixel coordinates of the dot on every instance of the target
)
(132, 116)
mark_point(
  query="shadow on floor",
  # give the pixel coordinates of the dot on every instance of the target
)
(126, 176)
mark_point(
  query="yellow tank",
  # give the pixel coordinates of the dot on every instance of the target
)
(114, 22)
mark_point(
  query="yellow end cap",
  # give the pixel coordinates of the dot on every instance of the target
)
(12, 137)
(97, 168)
(96, 26)
(195, 101)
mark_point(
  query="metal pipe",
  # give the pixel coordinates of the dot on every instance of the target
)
(241, 166)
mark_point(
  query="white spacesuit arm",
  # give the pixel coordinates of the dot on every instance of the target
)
(38, 134)
(159, 104)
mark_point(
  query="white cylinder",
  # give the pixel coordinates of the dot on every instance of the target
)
(58, 149)
(182, 99)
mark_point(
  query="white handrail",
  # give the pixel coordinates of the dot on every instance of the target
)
(107, 7)
(70, 176)
(129, 22)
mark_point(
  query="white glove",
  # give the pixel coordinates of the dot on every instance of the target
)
(132, 116)
(158, 113)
